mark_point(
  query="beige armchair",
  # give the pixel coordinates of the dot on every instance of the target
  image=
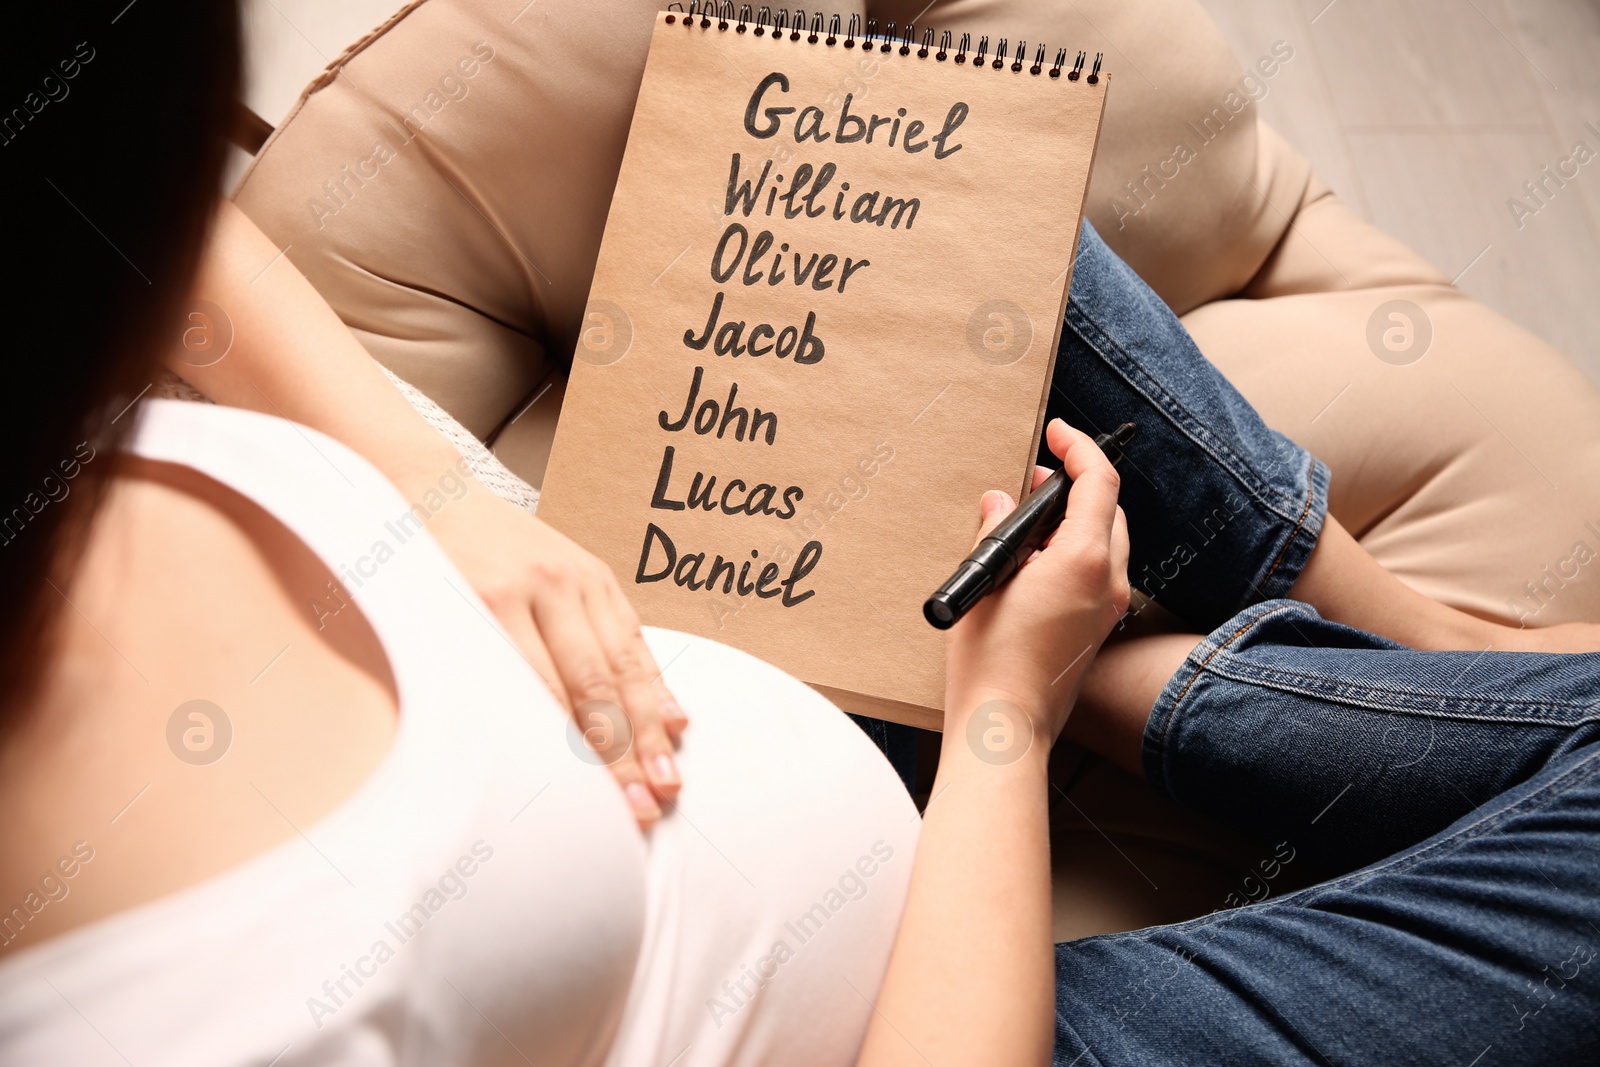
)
(445, 184)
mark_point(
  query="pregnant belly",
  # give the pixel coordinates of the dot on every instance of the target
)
(775, 885)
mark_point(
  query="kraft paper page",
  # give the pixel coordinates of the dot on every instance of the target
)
(822, 323)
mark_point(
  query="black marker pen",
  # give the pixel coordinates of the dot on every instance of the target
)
(1019, 534)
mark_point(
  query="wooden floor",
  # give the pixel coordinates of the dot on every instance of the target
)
(1427, 116)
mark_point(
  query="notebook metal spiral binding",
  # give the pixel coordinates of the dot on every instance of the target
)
(827, 29)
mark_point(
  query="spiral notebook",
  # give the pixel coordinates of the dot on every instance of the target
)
(823, 322)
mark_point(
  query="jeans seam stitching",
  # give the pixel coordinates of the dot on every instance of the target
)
(1171, 712)
(1284, 682)
(1204, 664)
(1305, 513)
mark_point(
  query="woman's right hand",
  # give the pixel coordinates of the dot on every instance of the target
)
(1030, 643)
(971, 979)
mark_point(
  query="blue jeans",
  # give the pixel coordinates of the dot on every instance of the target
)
(1454, 795)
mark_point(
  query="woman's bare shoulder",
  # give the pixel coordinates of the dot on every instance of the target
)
(201, 700)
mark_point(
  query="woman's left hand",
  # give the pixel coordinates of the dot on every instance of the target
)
(292, 357)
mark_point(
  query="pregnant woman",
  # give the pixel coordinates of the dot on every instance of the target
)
(282, 788)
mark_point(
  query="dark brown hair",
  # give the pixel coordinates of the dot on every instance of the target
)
(112, 125)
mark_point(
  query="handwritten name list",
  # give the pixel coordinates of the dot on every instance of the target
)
(783, 232)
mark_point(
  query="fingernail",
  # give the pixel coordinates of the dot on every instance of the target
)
(643, 804)
(670, 709)
(664, 770)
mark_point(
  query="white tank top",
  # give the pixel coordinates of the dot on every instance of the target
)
(485, 897)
